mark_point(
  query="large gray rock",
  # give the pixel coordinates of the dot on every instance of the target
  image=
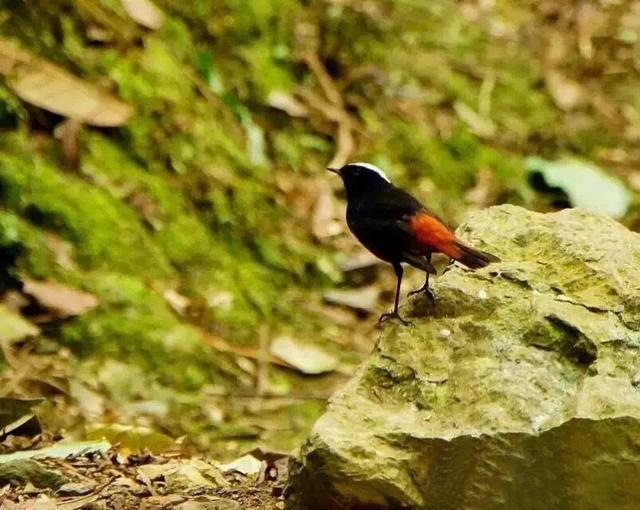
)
(517, 392)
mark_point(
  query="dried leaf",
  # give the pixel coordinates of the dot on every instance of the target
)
(306, 358)
(26, 426)
(65, 301)
(62, 251)
(247, 465)
(144, 13)
(566, 93)
(43, 84)
(13, 327)
(12, 409)
(177, 301)
(76, 489)
(364, 299)
(481, 126)
(184, 474)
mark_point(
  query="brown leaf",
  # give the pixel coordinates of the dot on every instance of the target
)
(484, 127)
(62, 250)
(566, 93)
(177, 301)
(43, 84)
(144, 13)
(65, 301)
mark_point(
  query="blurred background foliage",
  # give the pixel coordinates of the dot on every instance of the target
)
(200, 217)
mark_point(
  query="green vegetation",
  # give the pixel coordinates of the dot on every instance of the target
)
(209, 188)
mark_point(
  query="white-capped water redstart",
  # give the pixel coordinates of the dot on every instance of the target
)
(397, 228)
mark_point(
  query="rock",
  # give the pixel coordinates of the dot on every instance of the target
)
(517, 391)
(21, 472)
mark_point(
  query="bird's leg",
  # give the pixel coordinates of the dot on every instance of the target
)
(425, 287)
(394, 314)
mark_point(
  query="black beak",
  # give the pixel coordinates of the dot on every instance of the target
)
(334, 170)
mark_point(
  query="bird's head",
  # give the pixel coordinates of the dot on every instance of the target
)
(361, 177)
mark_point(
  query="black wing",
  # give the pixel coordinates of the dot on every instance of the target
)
(379, 221)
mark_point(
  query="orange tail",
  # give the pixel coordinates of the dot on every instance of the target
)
(470, 257)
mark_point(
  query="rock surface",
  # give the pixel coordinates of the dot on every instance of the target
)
(517, 392)
(23, 471)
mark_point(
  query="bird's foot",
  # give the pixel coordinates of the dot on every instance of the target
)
(393, 315)
(425, 291)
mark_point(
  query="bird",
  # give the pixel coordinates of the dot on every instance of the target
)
(397, 228)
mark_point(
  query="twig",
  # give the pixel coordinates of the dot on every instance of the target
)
(246, 352)
(81, 501)
(262, 377)
(333, 108)
(326, 83)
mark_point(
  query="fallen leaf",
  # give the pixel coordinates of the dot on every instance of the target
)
(144, 13)
(65, 301)
(60, 450)
(12, 409)
(306, 358)
(62, 250)
(13, 327)
(364, 299)
(43, 84)
(584, 184)
(246, 465)
(566, 93)
(76, 489)
(194, 473)
(184, 474)
(484, 127)
(91, 403)
(177, 301)
(27, 425)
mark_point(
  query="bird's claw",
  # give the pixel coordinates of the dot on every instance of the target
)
(425, 291)
(393, 315)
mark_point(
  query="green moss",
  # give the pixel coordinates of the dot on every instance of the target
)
(102, 229)
(134, 323)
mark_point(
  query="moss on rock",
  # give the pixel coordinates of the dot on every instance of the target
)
(517, 390)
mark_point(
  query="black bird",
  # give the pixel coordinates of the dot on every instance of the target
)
(397, 228)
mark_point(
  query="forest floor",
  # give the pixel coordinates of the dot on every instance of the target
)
(100, 477)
